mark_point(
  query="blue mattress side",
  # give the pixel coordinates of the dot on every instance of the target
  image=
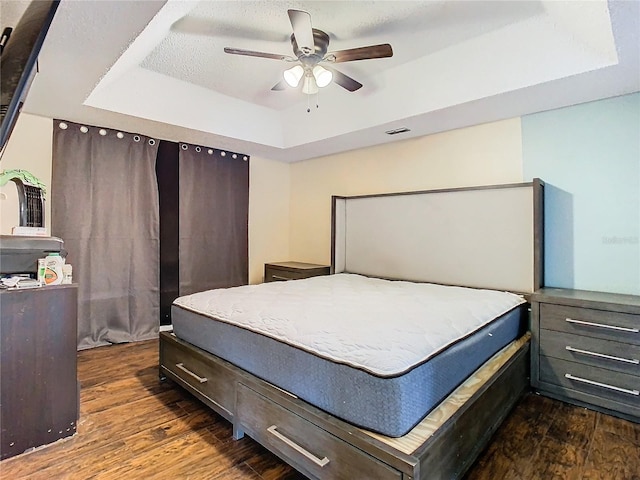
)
(390, 406)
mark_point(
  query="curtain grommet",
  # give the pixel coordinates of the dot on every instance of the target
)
(152, 142)
(136, 138)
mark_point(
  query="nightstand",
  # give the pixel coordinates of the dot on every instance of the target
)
(280, 271)
(586, 349)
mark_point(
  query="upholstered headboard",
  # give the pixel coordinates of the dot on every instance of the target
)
(484, 237)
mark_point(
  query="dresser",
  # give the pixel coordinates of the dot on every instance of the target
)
(586, 349)
(39, 399)
(281, 271)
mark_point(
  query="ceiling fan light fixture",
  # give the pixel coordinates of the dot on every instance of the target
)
(322, 75)
(309, 85)
(310, 46)
(293, 75)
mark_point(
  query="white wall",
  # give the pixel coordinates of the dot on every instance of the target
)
(269, 193)
(480, 155)
(29, 148)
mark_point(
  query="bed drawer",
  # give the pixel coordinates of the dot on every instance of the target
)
(202, 374)
(623, 327)
(609, 389)
(304, 445)
(617, 356)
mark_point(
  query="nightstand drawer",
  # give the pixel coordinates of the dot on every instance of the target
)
(278, 275)
(609, 389)
(621, 357)
(623, 327)
(306, 446)
(282, 271)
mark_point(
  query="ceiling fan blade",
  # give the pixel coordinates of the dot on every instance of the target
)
(281, 85)
(302, 30)
(361, 53)
(344, 81)
(251, 53)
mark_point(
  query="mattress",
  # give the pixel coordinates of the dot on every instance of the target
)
(379, 354)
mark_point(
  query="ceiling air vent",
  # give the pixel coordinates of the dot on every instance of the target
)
(396, 131)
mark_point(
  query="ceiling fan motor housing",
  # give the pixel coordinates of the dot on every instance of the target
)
(321, 43)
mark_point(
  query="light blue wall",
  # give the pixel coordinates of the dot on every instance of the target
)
(589, 158)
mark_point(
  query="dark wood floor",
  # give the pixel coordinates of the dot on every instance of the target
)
(134, 427)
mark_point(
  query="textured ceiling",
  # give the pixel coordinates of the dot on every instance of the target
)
(159, 68)
(416, 29)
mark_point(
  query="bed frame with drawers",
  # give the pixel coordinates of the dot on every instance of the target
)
(485, 237)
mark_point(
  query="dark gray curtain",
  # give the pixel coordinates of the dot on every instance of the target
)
(105, 208)
(214, 216)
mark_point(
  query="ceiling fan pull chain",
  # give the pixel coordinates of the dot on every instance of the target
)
(308, 103)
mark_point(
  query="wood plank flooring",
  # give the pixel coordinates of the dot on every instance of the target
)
(131, 426)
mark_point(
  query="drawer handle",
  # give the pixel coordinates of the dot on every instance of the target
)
(280, 279)
(603, 325)
(189, 372)
(603, 385)
(635, 361)
(321, 462)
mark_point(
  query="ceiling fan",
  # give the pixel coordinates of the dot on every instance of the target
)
(310, 49)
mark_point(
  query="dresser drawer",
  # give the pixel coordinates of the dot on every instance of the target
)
(609, 389)
(211, 379)
(617, 356)
(623, 327)
(309, 448)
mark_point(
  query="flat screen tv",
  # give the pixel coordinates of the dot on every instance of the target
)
(18, 61)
